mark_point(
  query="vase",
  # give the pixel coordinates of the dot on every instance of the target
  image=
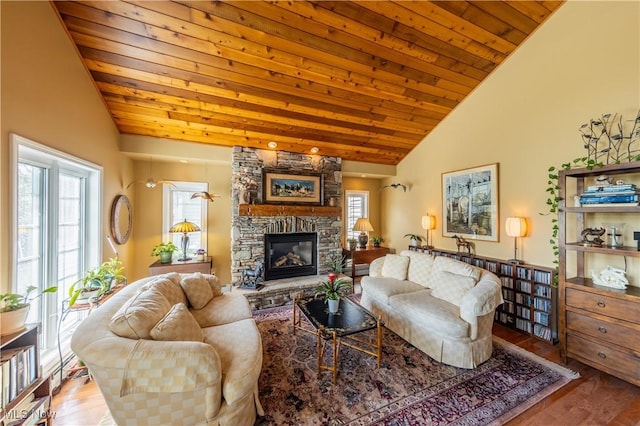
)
(334, 305)
(13, 321)
(244, 197)
(165, 257)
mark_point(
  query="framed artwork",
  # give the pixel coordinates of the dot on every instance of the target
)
(470, 203)
(291, 188)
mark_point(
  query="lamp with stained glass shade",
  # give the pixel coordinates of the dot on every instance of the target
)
(185, 227)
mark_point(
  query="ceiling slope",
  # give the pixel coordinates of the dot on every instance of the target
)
(363, 80)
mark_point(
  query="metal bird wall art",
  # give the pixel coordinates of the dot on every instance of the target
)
(395, 186)
(151, 183)
(204, 195)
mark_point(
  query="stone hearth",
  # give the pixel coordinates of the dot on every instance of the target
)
(284, 291)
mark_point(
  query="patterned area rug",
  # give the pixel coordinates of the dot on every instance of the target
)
(409, 388)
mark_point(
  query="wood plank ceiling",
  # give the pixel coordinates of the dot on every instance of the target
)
(364, 80)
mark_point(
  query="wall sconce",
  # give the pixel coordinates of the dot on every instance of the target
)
(516, 227)
(428, 224)
(184, 227)
(363, 225)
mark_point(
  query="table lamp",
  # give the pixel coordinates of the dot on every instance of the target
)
(363, 225)
(428, 224)
(516, 227)
(184, 227)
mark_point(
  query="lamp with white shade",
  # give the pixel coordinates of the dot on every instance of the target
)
(516, 227)
(428, 224)
(185, 227)
(363, 225)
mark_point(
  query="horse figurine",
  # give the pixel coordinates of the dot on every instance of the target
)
(461, 242)
(251, 277)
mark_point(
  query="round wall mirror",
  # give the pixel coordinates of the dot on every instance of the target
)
(121, 219)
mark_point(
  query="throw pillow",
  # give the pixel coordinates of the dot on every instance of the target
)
(138, 315)
(178, 325)
(457, 267)
(197, 289)
(451, 287)
(395, 266)
(214, 282)
(169, 288)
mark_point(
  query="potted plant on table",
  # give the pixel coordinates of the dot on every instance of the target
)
(415, 238)
(14, 308)
(332, 290)
(164, 251)
(376, 241)
(96, 282)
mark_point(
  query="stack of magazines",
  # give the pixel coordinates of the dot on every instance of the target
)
(610, 195)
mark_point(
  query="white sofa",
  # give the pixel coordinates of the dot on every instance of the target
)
(442, 306)
(173, 349)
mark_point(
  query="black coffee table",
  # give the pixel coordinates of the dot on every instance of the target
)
(338, 328)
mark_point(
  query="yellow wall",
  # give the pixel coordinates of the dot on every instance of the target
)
(48, 97)
(584, 62)
(147, 221)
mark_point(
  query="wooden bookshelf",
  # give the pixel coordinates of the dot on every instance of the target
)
(35, 386)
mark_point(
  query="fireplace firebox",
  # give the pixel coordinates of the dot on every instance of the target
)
(290, 255)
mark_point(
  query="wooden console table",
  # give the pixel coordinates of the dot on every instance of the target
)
(202, 266)
(363, 255)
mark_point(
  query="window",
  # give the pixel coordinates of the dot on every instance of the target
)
(357, 206)
(57, 202)
(177, 205)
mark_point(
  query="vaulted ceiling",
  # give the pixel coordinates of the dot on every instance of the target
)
(364, 80)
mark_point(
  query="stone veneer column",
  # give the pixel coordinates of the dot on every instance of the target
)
(247, 232)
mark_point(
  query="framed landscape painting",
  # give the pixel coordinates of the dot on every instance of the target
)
(292, 188)
(470, 203)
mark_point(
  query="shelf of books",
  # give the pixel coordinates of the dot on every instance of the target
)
(25, 396)
(607, 194)
(528, 291)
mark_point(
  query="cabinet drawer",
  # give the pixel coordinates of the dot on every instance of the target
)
(605, 305)
(620, 333)
(626, 364)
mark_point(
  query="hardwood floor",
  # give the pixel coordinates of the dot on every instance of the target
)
(595, 399)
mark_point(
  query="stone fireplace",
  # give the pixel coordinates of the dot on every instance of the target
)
(253, 220)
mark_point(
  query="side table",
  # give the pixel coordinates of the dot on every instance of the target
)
(363, 255)
(190, 266)
(81, 305)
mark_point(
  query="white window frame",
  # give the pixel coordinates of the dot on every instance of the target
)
(348, 232)
(28, 151)
(167, 205)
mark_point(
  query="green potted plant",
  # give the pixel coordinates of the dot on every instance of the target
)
(376, 241)
(331, 290)
(97, 281)
(415, 238)
(14, 308)
(164, 251)
(335, 263)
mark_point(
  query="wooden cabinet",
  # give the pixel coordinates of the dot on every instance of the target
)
(361, 256)
(189, 266)
(31, 399)
(530, 300)
(599, 326)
